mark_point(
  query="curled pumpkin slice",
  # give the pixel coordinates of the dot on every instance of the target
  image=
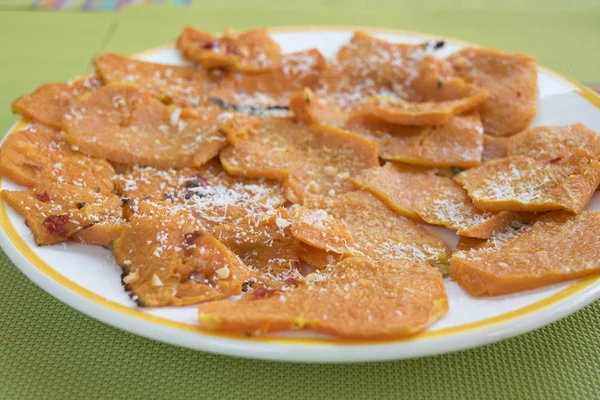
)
(556, 247)
(511, 81)
(38, 154)
(166, 260)
(519, 183)
(250, 51)
(55, 211)
(183, 86)
(51, 101)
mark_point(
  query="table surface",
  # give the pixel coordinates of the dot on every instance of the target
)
(48, 350)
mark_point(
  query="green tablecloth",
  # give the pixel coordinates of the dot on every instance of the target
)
(48, 350)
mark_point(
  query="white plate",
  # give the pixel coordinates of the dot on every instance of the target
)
(86, 278)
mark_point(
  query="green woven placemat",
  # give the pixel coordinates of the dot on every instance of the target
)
(48, 350)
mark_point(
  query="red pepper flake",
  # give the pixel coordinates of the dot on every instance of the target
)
(194, 235)
(555, 160)
(518, 94)
(43, 197)
(231, 49)
(56, 224)
(261, 292)
(197, 181)
(210, 45)
(292, 282)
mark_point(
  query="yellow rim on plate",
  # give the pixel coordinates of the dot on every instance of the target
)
(41, 265)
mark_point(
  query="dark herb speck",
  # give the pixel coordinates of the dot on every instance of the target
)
(456, 170)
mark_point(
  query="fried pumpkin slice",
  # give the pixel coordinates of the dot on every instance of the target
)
(273, 88)
(369, 67)
(55, 211)
(154, 184)
(559, 246)
(379, 232)
(451, 207)
(126, 125)
(511, 81)
(494, 148)
(320, 230)
(102, 233)
(520, 183)
(436, 82)
(51, 101)
(249, 51)
(313, 259)
(264, 242)
(357, 298)
(402, 112)
(401, 187)
(309, 108)
(38, 154)
(309, 159)
(553, 143)
(458, 143)
(183, 86)
(167, 261)
(214, 196)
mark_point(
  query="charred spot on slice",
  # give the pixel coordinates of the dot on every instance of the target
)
(438, 44)
(456, 170)
(197, 181)
(245, 109)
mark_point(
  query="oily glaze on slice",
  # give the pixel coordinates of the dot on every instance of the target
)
(357, 298)
(38, 154)
(51, 101)
(511, 81)
(520, 183)
(559, 246)
(183, 86)
(126, 125)
(55, 211)
(167, 261)
(249, 51)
